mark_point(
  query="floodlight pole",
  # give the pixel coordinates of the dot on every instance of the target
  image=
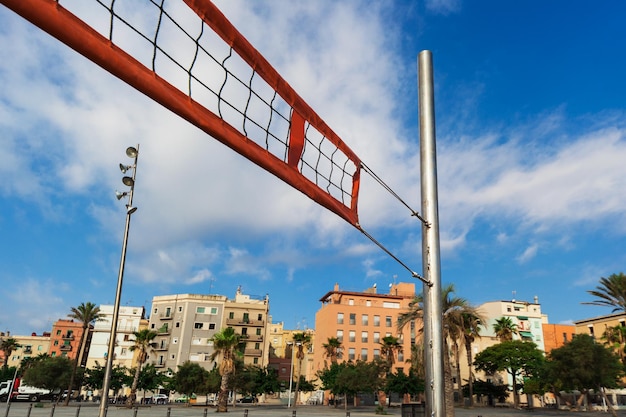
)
(431, 264)
(108, 370)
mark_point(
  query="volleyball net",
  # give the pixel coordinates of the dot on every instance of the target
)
(185, 55)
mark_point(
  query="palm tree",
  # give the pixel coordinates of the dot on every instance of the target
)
(389, 346)
(610, 293)
(472, 323)
(615, 337)
(332, 349)
(301, 340)
(7, 346)
(505, 329)
(86, 313)
(453, 308)
(225, 344)
(144, 343)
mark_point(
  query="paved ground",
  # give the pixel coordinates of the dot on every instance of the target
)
(91, 410)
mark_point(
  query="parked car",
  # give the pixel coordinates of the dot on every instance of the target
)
(184, 399)
(159, 399)
(247, 399)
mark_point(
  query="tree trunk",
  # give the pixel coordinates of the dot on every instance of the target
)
(74, 367)
(470, 367)
(295, 401)
(448, 388)
(133, 389)
(222, 398)
(457, 357)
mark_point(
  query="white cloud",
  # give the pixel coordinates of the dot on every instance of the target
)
(528, 254)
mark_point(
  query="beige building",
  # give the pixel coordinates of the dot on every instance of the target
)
(597, 326)
(360, 320)
(29, 346)
(186, 323)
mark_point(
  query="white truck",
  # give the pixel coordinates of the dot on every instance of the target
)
(21, 392)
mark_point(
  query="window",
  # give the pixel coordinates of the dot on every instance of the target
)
(58, 332)
(175, 340)
(177, 324)
(339, 318)
(363, 354)
(376, 337)
(213, 310)
(180, 309)
(364, 337)
(152, 326)
(244, 331)
(126, 338)
(564, 337)
(258, 332)
(376, 321)
(197, 325)
(351, 302)
(156, 310)
(231, 315)
(400, 356)
(211, 326)
(173, 356)
(56, 343)
(352, 336)
(246, 318)
(352, 318)
(364, 319)
(259, 317)
(255, 361)
(368, 303)
(53, 354)
(376, 353)
(390, 304)
(388, 321)
(257, 346)
(168, 312)
(200, 310)
(196, 341)
(39, 347)
(351, 354)
(340, 335)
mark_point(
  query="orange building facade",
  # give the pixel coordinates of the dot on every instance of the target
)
(556, 335)
(65, 339)
(360, 320)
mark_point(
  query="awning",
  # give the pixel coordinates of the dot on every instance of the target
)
(522, 317)
(526, 334)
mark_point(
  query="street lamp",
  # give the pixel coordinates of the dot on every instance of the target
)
(292, 344)
(130, 182)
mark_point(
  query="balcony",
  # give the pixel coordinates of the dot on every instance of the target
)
(159, 364)
(162, 346)
(244, 322)
(28, 350)
(65, 348)
(253, 337)
(68, 336)
(166, 316)
(163, 330)
(253, 352)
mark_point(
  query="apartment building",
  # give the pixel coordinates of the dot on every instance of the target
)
(129, 320)
(29, 346)
(185, 324)
(65, 339)
(596, 327)
(360, 320)
(249, 316)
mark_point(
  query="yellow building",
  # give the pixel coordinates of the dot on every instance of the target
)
(29, 346)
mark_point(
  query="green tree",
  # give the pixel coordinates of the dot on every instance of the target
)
(402, 384)
(389, 348)
(51, 373)
(453, 308)
(190, 378)
(151, 379)
(505, 329)
(518, 358)
(302, 341)
(582, 364)
(611, 292)
(7, 346)
(328, 377)
(86, 313)
(225, 345)
(332, 349)
(144, 344)
(213, 382)
(471, 322)
(94, 377)
(615, 338)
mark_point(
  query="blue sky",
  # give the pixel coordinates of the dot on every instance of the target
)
(530, 105)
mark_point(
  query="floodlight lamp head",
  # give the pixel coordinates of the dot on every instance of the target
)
(120, 195)
(131, 152)
(130, 209)
(128, 181)
(125, 168)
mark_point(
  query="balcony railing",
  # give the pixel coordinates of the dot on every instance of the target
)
(162, 346)
(68, 337)
(163, 330)
(166, 316)
(253, 352)
(244, 322)
(253, 337)
(159, 364)
(66, 348)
